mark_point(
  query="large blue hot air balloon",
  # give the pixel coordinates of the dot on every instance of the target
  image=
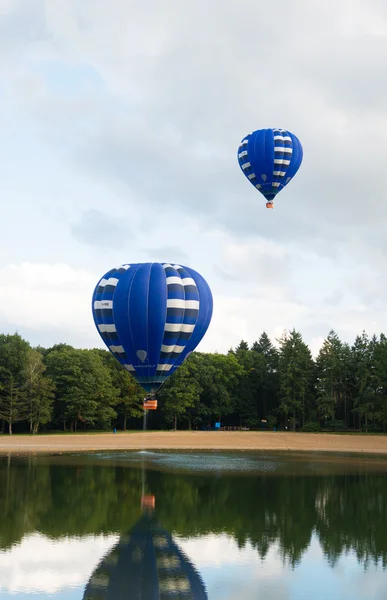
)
(270, 158)
(152, 316)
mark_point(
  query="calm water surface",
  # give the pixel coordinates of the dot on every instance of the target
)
(248, 526)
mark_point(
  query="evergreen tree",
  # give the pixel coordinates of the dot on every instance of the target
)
(364, 378)
(266, 356)
(380, 359)
(295, 374)
(331, 378)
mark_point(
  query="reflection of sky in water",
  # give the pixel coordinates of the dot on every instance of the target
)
(195, 462)
(59, 570)
(246, 462)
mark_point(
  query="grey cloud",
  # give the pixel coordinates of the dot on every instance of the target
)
(350, 78)
(20, 24)
(334, 298)
(225, 275)
(203, 90)
(101, 230)
(183, 88)
(260, 268)
(370, 289)
(319, 327)
(166, 253)
(329, 192)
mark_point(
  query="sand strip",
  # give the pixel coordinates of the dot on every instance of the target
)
(195, 440)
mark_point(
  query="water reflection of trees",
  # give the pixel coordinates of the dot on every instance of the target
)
(346, 512)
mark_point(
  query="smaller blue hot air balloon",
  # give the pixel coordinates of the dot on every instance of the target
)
(152, 316)
(270, 158)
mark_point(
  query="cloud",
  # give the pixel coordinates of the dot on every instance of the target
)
(334, 298)
(163, 252)
(98, 229)
(120, 127)
(53, 301)
(182, 144)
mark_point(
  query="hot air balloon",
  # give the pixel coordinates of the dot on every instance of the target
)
(152, 316)
(270, 158)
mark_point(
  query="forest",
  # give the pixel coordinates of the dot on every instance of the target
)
(263, 386)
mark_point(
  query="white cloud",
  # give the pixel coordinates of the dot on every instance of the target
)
(51, 303)
(38, 296)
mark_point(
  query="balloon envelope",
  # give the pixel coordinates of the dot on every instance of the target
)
(270, 158)
(152, 316)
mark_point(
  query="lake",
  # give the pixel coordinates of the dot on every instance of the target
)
(216, 526)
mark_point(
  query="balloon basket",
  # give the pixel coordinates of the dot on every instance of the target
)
(150, 404)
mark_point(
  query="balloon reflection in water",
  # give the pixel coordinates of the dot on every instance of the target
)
(146, 564)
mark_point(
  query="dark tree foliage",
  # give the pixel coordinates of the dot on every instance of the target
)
(261, 386)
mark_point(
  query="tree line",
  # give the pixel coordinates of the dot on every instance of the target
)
(262, 386)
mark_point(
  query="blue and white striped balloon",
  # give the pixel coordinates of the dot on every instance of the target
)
(270, 158)
(152, 316)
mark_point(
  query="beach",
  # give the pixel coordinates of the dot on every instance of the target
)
(194, 440)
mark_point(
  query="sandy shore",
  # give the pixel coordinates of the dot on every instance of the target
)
(195, 440)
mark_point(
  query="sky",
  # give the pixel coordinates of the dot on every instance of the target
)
(120, 123)
(40, 567)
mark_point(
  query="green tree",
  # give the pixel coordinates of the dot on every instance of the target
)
(264, 346)
(364, 378)
(84, 390)
(380, 358)
(181, 393)
(331, 378)
(13, 406)
(13, 354)
(39, 391)
(64, 369)
(295, 374)
(220, 378)
(245, 397)
(130, 393)
(13, 357)
(266, 366)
